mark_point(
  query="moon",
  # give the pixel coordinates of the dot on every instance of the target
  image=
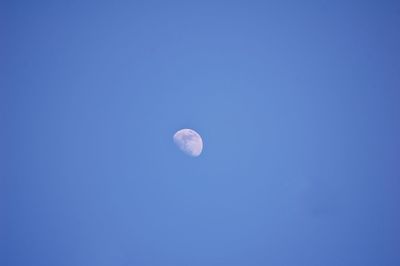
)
(189, 141)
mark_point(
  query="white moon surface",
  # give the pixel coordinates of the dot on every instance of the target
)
(189, 141)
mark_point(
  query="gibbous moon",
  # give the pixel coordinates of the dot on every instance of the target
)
(189, 141)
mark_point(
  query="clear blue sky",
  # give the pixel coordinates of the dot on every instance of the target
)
(298, 103)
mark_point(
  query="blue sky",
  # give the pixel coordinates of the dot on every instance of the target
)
(297, 103)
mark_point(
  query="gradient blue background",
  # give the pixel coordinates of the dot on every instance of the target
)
(298, 103)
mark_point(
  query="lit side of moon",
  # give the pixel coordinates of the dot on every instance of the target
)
(189, 141)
